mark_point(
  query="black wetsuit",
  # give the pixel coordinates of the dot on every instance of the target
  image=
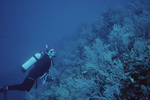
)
(41, 66)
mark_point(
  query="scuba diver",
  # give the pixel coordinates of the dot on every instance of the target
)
(42, 62)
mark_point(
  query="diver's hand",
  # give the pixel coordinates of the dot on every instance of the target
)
(49, 78)
(46, 78)
(43, 77)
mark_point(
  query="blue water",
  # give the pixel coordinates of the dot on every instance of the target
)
(26, 26)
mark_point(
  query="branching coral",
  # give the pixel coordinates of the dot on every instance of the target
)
(108, 60)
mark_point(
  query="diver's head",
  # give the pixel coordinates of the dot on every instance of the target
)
(51, 53)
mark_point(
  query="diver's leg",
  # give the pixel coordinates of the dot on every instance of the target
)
(25, 86)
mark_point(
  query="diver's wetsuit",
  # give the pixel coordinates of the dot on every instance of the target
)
(41, 66)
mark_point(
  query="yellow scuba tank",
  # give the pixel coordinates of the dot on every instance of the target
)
(30, 62)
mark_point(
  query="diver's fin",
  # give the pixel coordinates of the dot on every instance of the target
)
(4, 90)
(5, 95)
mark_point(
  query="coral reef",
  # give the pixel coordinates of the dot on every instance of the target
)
(107, 60)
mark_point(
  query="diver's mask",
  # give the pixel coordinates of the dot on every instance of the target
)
(51, 53)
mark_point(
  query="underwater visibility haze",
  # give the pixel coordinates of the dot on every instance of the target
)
(102, 48)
